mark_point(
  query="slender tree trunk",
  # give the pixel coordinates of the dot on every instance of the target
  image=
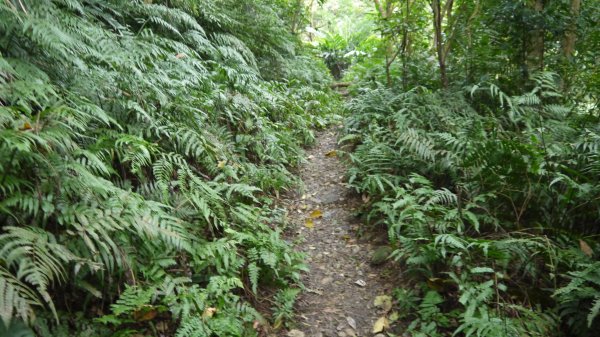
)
(404, 47)
(297, 16)
(386, 9)
(570, 37)
(469, 62)
(439, 45)
(535, 42)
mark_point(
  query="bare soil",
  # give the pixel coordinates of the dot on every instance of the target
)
(341, 284)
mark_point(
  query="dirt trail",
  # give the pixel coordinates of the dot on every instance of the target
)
(341, 283)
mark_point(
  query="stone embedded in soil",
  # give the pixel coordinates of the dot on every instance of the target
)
(350, 332)
(295, 333)
(331, 196)
(326, 280)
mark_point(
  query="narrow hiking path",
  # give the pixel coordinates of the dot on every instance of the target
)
(341, 284)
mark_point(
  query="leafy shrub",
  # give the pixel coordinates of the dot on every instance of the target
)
(484, 195)
(139, 144)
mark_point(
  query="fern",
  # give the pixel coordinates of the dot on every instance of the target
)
(138, 143)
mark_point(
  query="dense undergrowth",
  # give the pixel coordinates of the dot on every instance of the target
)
(481, 163)
(488, 212)
(140, 145)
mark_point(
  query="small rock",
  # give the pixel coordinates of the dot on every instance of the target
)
(341, 334)
(361, 283)
(295, 333)
(349, 332)
(340, 327)
(326, 280)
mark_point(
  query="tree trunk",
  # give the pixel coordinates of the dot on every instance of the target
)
(404, 47)
(535, 42)
(437, 38)
(386, 10)
(570, 37)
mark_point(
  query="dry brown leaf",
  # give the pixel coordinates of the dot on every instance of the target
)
(381, 324)
(585, 248)
(26, 126)
(144, 314)
(180, 55)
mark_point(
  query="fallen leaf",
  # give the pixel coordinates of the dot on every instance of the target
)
(331, 153)
(381, 324)
(221, 164)
(436, 284)
(316, 214)
(585, 248)
(361, 283)
(384, 302)
(144, 314)
(351, 322)
(394, 316)
(26, 126)
(180, 55)
(209, 312)
(309, 223)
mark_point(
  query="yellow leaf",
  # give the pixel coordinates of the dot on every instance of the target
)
(309, 223)
(436, 283)
(394, 316)
(585, 248)
(331, 153)
(383, 301)
(316, 214)
(381, 324)
(209, 312)
(221, 164)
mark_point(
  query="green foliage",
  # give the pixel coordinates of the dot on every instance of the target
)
(139, 141)
(484, 196)
(283, 311)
